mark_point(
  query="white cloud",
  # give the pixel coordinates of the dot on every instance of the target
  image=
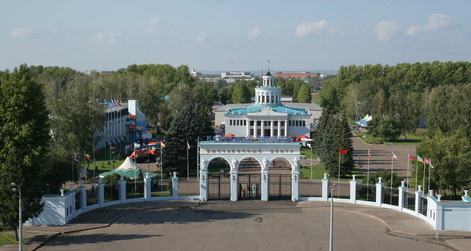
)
(21, 32)
(108, 36)
(254, 33)
(201, 37)
(386, 30)
(434, 22)
(151, 27)
(322, 27)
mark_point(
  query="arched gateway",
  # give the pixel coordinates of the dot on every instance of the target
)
(264, 151)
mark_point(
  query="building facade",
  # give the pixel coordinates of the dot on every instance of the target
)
(268, 116)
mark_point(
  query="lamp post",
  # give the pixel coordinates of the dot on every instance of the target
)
(16, 188)
(331, 230)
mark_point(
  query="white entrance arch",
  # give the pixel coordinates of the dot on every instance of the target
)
(264, 151)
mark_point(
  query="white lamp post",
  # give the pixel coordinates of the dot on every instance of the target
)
(16, 188)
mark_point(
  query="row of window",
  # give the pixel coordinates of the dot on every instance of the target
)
(242, 122)
(297, 123)
(249, 151)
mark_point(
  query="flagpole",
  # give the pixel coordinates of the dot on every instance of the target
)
(161, 164)
(416, 173)
(198, 158)
(368, 177)
(392, 171)
(430, 164)
(408, 172)
(423, 178)
(187, 163)
(338, 190)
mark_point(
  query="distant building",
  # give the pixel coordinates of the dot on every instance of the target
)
(297, 75)
(267, 116)
(124, 123)
(236, 75)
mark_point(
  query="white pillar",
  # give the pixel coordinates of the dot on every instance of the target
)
(353, 190)
(147, 187)
(248, 127)
(418, 201)
(264, 185)
(262, 129)
(325, 188)
(379, 192)
(402, 197)
(83, 196)
(279, 128)
(234, 185)
(295, 186)
(122, 190)
(101, 193)
(271, 128)
(255, 128)
(204, 184)
(175, 186)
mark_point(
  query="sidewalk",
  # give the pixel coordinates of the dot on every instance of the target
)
(35, 236)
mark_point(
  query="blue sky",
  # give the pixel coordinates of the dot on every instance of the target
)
(304, 35)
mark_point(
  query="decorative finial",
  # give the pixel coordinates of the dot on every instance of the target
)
(268, 65)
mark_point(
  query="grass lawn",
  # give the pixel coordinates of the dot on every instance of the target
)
(319, 170)
(105, 165)
(411, 139)
(4, 240)
(316, 97)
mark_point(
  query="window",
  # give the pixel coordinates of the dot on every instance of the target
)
(245, 122)
(304, 122)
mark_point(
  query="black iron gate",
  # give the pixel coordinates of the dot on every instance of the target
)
(219, 187)
(279, 187)
(249, 186)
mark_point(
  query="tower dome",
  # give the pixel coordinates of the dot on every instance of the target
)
(268, 94)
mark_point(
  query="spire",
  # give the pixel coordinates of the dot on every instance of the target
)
(268, 72)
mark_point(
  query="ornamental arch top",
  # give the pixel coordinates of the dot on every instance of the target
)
(264, 151)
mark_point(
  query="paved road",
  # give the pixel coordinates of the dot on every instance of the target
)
(247, 225)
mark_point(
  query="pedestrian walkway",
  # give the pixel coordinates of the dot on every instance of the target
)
(294, 217)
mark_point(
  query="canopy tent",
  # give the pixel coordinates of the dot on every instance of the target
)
(129, 169)
(364, 122)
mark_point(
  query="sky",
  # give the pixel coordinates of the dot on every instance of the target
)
(233, 35)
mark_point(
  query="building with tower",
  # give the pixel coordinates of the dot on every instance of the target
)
(268, 116)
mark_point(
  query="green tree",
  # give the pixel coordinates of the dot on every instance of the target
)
(384, 128)
(24, 137)
(241, 93)
(304, 94)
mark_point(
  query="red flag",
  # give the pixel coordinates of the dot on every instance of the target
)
(411, 157)
(427, 161)
(341, 150)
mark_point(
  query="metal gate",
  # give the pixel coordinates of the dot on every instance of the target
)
(219, 187)
(279, 187)
(249, 186)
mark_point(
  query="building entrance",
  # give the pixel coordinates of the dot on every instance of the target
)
(249, 186)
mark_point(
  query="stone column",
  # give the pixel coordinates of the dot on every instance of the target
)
(271, 128)
(83, 195)
(264, 185)
(204, 180)
(325, 188)
(262, 129)
(379, 192)
(402, 193)
(418, 201)
(101, 192)
(255, 128)
(147, 187)
(286, 128)
(174, 186)
(122, 190)
(234, 185)
(295, 185)
(248, 128)
(353, 190)
(279, 128)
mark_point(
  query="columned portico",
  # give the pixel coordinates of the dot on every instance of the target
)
(263, 152)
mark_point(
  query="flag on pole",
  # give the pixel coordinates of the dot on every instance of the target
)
(394, 155)
(341, 150)
(420, 159)
(187, 146)
(410, 157)
(431, 163)
(427, 161)
(369, 155)
(162, 144)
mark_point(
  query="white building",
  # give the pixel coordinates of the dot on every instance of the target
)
(268, 116)
(118, 120)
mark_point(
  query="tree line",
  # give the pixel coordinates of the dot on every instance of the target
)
(402, 97)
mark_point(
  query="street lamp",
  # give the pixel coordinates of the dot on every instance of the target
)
(331, 231)
(16, 188)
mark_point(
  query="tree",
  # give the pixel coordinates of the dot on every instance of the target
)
(304, 94)
(188, 125)
(241, 93)
(384, 127)
(24, 137)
